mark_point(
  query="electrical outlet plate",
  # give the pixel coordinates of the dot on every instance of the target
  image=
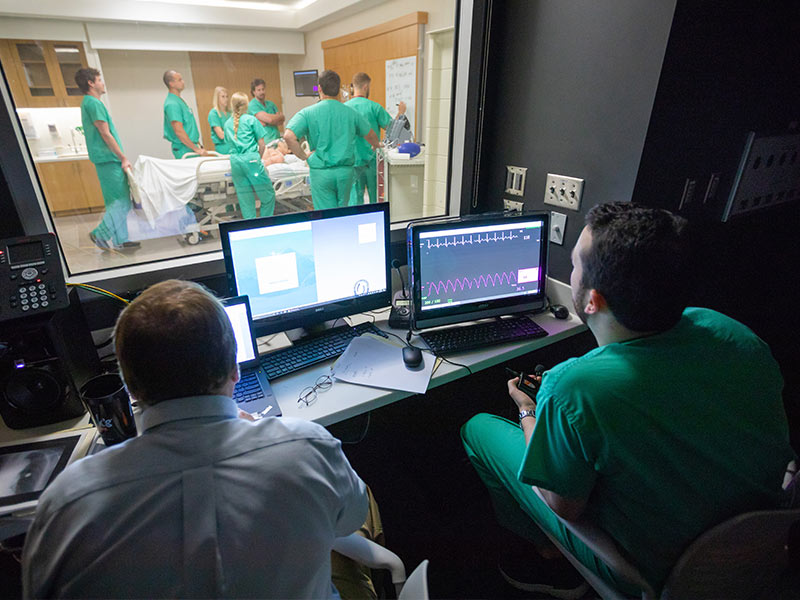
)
(558, 225)
(513, 205)
(515, 180)
(564, 192)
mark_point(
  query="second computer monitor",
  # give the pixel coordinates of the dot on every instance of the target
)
(477, 267)
(302, 269)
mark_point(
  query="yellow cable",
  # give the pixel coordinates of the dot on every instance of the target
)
(100, 290)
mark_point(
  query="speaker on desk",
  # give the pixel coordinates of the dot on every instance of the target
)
(43, 362)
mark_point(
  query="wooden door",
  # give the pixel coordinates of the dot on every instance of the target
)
(33, 59)
(67, 58)
(92, 193)
(62, 186)
(234, 71)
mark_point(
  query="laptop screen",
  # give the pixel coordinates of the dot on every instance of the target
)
(238, 313)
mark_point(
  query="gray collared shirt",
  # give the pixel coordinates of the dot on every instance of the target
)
(202, 504)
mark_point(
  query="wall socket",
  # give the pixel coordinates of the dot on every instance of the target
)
(558, 224)
(513, 205)
(564, 192)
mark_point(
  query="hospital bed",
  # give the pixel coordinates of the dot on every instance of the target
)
(204, 185)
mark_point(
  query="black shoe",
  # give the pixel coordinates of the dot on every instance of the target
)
(102, 244)
(556, 577)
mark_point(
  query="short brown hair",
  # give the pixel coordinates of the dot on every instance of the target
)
(361, 79)
(329, 82)
(84, 76)
(174, 340)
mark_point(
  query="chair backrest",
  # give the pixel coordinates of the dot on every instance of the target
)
(416, 586)
(742, 557)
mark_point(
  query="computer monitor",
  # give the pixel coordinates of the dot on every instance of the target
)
(302, 269)
(306, 83)
(477, 267)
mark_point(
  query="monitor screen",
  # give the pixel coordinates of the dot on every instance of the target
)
(301, 269)
(477, 267)
(306, 83)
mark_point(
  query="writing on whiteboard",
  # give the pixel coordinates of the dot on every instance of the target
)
(401, 86)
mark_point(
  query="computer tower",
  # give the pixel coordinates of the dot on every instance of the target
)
(44, 360)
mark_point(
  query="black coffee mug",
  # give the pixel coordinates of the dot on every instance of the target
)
(108, 404)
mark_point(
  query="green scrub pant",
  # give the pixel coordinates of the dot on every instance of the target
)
(117, 200)
(251, 179)
(180, 149)
(331, 188)
(366, 176)
(496, 447)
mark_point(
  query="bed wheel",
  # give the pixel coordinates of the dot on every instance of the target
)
(193, 238)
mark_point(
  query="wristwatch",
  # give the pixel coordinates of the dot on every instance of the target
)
(527, 413)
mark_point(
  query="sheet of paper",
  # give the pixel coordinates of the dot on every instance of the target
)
(377, 362)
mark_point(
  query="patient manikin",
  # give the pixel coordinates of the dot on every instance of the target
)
(278, 154)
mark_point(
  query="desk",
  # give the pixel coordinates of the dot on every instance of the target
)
(345, 400)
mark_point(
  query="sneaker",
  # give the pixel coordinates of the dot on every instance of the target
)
(556, 577)
(102, 244)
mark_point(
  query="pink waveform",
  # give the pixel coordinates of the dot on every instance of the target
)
(467, 282)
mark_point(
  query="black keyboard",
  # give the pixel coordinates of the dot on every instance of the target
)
(480, 335)
(305, 353)
(247, 388)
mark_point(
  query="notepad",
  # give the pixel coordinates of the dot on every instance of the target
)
(377, 362)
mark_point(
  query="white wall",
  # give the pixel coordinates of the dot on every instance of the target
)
(438, 82)
(136, 93)
(440, 14)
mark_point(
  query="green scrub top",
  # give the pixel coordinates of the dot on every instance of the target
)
(176, 109)
(662, 454)
(267, 106)
(217, 120)
(246, 139)
(378, 119)
(93, 110)
(331, 129)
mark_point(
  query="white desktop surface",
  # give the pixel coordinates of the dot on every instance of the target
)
(345, 400)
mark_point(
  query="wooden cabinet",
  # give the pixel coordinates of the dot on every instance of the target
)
(70, 186)
(42, 73)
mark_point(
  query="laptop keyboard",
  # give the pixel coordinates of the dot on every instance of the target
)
(305, 353)
(247, 389)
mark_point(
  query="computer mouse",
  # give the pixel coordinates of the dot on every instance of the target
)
(412, 356)
(559, 311)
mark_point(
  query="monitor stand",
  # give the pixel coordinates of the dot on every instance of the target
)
(312, 331)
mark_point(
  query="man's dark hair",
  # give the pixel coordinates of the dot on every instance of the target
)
(329, 83)
(636, 261)
(255, 83)
(168, 76)
(174, 340)
(84, 76)
(361, 79)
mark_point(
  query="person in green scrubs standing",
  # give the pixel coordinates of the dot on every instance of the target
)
(365, 171)
(246, 137)
(265, 110)
(180, 127)
(331, 129)
(217, 117)
(105, 151)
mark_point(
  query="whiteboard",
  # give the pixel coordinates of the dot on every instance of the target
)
(401, 85)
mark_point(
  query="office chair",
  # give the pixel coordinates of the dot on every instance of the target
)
(376, 556)
(742, 557)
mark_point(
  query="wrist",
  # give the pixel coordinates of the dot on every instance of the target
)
(527, 412)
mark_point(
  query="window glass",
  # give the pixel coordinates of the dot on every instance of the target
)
(158, 99)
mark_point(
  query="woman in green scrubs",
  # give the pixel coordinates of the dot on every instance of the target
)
(217, 117)
(245, 134)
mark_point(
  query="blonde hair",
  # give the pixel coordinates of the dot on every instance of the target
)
(215, 102)
(238, 107)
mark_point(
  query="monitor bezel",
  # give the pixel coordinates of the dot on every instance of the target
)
(319, 313)
(245, 299)
(294, 81)
(485, 309)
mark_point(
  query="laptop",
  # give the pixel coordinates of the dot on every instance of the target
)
(253, 393)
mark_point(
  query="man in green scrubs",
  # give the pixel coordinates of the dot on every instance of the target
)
(365, 171)
(105, 151)
(672, 425)
(265, 110)
(180, 126)
(331, 129)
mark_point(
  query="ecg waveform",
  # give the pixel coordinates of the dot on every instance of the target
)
(468, 240)
(465, 283)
